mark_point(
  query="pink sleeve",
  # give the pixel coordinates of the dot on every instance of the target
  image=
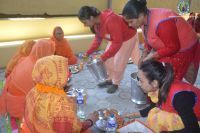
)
(116, 34)
(95, 45)
(167, 32)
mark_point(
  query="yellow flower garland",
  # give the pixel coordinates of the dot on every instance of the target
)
(49, 89)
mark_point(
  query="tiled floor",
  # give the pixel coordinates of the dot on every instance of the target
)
(98, 97)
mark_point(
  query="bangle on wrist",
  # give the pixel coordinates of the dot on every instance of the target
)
(133, 114)
(91, 122)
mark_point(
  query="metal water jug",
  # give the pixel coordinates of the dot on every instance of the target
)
(138, 96)
(97, 69)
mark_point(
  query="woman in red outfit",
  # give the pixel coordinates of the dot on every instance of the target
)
(110, 26)
(168, 37)
(175, 106)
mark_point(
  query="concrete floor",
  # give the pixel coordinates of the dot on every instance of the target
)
(98, 98)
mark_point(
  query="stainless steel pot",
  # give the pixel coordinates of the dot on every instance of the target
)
(138, 96)
(97, 69)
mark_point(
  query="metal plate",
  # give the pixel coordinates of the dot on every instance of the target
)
(103, 114)
(101, 124)
(74, 68)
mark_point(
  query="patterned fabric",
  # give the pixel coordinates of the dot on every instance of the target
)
(23, 51)
(49, 111)
(154, 96)
(51, 71)
(63, 48)
(160, 120)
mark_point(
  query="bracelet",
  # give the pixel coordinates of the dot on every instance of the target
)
(91, 122)
(133, 115)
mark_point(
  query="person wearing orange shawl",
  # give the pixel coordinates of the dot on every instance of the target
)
(23, 51)
(19, 82)
(62, 46)
(48, 109)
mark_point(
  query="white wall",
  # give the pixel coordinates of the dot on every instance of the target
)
(118, 5)
(52, 7)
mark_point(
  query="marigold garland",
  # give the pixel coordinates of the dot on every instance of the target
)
(49, 89)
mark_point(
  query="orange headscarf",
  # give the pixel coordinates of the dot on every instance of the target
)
(48, 109)
(51, 71)
(19, 82)
(63, 48)
(21, 75)
(23, 51)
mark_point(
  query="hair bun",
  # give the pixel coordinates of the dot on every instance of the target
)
(94, 9)
(142, 2)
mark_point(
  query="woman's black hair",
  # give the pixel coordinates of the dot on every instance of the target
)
(92, 29)
(162, 72)
(134, 8)
(66, 88)
(87, 11)
(198, 17)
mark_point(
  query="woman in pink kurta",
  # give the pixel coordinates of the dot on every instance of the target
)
(110, 26)
(168, 37)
